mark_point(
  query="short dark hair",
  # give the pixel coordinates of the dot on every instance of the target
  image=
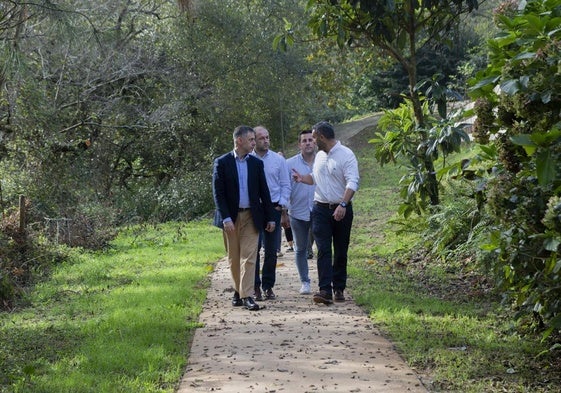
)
(242, 131)
(324, 128)
(303, 132)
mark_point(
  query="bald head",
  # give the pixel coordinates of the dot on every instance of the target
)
(262, 142)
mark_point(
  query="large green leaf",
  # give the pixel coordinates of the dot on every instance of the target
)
(546, 96)
(524, 55)
(551, 244)
(545, 167)
(546, 138)
(511, 86)
(525, 140)
(535, 23)
(491, 80)
(505, 40)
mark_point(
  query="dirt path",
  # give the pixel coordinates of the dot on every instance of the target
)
(346, 131)
(291, 346)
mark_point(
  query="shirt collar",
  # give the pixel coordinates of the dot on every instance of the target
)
(335, 147)
(237, 156)
(259, 156)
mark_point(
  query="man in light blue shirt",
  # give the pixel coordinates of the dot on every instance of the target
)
(243, 205)
(300, 206)
(278, 181)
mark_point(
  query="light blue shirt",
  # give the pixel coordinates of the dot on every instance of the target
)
(277, 176)
(301, 195)
(241, 164)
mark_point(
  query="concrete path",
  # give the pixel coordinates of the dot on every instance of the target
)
(293, 345)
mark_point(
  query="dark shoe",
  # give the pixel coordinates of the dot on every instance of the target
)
(250, 304)
(236, 300)
(269, 294)
(323, 297)
(257, 294)
(338, 296)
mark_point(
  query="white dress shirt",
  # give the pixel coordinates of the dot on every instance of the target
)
(334, 172)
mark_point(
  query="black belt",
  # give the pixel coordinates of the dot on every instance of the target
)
(244, 209)
(330, 206)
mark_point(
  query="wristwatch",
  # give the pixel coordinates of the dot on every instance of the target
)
(343, 204)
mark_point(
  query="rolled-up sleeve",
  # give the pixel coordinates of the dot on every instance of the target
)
(352, 176)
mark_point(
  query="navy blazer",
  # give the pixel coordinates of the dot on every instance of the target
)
(226, 193)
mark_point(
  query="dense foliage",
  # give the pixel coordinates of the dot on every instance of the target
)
(126, 103)
(519, 127)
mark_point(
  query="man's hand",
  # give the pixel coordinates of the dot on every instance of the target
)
(296, 176)
(285, 221)
(299, 178)
(339, 213)
(229, 226)
(270, 226)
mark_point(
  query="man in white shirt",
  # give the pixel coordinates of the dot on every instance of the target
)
(278, 180)
(300, 206)
(336, 177)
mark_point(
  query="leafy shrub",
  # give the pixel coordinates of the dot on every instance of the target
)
(400, 138)
(453, 224)
(179, 199)
(519, 103)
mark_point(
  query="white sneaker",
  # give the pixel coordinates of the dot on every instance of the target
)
(305, 290)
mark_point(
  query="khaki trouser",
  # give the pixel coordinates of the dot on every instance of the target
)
(241, 245)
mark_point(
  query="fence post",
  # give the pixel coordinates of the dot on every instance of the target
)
(22, 214)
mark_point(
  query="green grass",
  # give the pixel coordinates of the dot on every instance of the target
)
(117, 321)
(462, 346)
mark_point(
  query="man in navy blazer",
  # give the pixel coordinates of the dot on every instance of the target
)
(243, 207)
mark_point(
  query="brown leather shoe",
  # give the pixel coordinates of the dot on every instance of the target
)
(323, 297)
(269, 294)
(338, 296)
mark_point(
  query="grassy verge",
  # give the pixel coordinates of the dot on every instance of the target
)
(457, 336)
(118, 321)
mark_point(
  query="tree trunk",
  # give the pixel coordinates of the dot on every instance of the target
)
(431, 180)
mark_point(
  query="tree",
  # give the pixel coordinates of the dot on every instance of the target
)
(398, 30)
(84, 97)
